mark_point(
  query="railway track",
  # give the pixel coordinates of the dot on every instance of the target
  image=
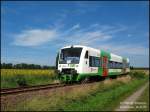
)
(36, 88)
(30, 88)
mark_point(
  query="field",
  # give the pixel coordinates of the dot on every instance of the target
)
(100, 96)
(20, 77)
(11, 78)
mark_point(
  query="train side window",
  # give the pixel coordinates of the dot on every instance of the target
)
(97, 61)
(120, 65)
(100, 62)
(90, 61)
(110, 64)
(116, 64)
(94, 61)
(86, 55)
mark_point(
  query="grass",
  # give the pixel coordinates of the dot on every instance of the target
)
(142, 102)
(18, 77)
(96, 97)
(108, 96)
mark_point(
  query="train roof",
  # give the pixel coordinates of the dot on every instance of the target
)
(73, 46)
(114, 56)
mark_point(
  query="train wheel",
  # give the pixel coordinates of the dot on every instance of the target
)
(114, 77)
(86, 80)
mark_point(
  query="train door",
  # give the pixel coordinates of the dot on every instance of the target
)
(104, 66)
(86, 62)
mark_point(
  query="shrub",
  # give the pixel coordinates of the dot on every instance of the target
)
(21, 81)
(138, 75)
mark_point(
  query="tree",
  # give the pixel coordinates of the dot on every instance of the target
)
(24, 66)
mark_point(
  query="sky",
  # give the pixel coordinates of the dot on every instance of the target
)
(33, 32)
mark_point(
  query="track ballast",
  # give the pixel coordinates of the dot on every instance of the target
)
(30, 88)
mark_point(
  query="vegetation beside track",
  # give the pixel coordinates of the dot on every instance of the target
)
(100, 96)
(11, 78)
(142, 102)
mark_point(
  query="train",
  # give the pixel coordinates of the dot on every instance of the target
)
(78, 63)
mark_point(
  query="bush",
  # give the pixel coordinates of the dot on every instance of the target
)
(138, 75)
(21, 81)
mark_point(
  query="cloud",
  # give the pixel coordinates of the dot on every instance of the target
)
(69, 31)
(76, 26)
(72, 35)
(95, 35)
(34, 37)
(129, 35)
(130, 49)
(114, 29)
(91, 37)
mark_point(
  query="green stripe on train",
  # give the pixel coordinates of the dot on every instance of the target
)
(67, 78)
(100, 71)
(84, 75)
(114, 73)
(104, 53)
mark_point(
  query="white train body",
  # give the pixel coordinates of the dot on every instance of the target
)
(86, 61)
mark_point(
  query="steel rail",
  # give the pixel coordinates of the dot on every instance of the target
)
(30, 88)
(38, 87)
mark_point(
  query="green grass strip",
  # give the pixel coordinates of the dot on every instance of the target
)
(104, 99)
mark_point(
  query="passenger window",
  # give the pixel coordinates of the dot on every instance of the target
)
(86, 55)
(97, 62)
(94, 61)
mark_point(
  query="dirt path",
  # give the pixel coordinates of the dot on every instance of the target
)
(128, 103)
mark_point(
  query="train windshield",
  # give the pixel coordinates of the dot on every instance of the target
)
(70, 56)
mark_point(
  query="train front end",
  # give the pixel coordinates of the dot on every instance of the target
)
(68, 63)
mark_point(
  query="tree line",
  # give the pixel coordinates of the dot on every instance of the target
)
(24, 66)
(35, 66)
(139, 68)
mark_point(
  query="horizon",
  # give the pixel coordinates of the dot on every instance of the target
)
(33, 32)
(55, 65)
